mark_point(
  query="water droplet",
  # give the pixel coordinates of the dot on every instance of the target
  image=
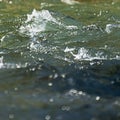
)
(16, 89)
(50, 84)
(63, 75)
(10, 2)
(55, 75)
(47, 117)
(73, 91)
(80, 92)
(97, 98)
(65, 108)
(105, 46)
(51, 100)
(113, 3)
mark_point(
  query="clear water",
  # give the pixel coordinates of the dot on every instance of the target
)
(59, 60)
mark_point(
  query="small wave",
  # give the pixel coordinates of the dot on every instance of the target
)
(43, 21)
(86, 54)
(36, 22)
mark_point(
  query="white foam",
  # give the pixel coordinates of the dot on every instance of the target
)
(110, 27)
(44, 14)
(81, 55)
(69, 49)
(84, 54)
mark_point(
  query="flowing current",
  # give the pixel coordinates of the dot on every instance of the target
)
(45, 25)
(57, 66)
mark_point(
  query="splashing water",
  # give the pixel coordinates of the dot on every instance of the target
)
(37, 22)
(42, 21)
(82, 54)
(59, 64)
(46, 24)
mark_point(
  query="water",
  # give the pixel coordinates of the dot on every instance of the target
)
(59, 60)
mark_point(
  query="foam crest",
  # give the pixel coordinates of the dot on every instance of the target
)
(44, 14)
(43, 21)
(82, 54)
(86, 54)
(36, 22)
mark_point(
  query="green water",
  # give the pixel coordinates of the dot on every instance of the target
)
(59, 61)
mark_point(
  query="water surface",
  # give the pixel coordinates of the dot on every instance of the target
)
(59, 60)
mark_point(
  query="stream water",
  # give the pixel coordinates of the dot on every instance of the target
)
(59, 60)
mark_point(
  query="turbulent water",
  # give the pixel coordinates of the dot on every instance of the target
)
(59, 60)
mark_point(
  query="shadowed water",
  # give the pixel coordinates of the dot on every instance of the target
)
(59, 60)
